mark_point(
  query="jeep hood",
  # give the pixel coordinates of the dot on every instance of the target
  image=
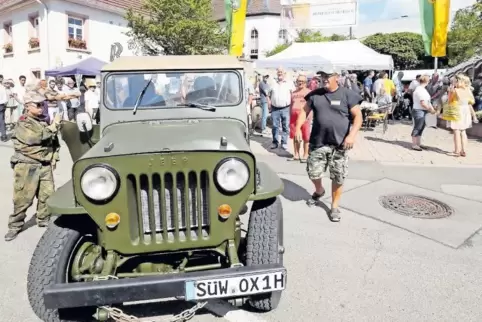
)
(152, 137)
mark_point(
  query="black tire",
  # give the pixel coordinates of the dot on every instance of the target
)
(264, 242)
(48, 266)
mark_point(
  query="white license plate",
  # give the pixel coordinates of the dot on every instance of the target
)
(235, 286)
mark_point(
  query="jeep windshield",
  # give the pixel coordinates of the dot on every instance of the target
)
(172, 90)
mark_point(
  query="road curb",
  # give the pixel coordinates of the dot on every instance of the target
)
(423, 165)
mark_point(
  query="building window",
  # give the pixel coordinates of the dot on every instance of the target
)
(34, 40)
(283, 36)
(36, 74)
(76, 32)
(76, 28)
(34, 25)
(7, 38)
(254, 44)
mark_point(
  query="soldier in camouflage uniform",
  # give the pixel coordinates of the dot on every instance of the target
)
(36, 153)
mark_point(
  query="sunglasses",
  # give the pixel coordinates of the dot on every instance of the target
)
(37, 105)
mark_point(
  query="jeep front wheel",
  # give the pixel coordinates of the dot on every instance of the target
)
(264, 245)
(50, 264)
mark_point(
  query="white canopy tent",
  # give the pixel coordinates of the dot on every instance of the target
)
(347, 55)
(306, 63)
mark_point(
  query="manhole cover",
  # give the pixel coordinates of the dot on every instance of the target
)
(416, 206)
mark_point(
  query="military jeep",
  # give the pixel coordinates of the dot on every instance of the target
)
(159, 188)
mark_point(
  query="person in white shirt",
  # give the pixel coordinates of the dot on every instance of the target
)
(11, 105)
(280, 98)
(91, 97)
(421, 106)
(73, 98)
(62, 103)
(378, 84)
(3, 102)
(20, 91)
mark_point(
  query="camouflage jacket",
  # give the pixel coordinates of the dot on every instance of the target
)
(34, 141)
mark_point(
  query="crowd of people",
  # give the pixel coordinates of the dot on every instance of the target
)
(61, 96)
(33, 113)
(422, 100)
(322, 120)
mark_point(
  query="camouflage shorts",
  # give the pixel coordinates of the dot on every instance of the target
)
(325, 158)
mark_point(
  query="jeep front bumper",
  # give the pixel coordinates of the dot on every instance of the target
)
(117, 291)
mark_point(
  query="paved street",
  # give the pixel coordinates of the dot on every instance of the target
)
(394, 147)
(375, 265)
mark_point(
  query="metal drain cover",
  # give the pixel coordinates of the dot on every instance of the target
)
(416, 206)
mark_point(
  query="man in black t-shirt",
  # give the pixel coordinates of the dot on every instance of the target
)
(334, 108)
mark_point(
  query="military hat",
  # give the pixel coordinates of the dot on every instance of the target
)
(33, 97)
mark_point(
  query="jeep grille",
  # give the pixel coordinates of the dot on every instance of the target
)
(172, 206)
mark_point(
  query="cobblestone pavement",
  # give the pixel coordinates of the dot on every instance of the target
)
(395, 147)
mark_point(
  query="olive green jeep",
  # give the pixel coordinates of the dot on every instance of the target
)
(158, 191)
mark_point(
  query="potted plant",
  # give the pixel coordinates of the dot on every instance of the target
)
(34, 43)
(8, 48)
(77, 43)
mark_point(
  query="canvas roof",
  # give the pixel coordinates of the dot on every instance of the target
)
(127, 63)
(349, 55)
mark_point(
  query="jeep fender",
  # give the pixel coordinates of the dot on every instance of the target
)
(270, 185)
(62, 201)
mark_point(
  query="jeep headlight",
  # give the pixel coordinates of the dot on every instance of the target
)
(99, 183)
(232, 175)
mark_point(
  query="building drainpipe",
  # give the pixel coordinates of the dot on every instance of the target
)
(46, 18)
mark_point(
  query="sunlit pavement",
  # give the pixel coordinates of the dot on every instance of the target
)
(375, 265)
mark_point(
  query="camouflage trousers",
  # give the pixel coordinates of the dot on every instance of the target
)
(30, 181)
(328, 157)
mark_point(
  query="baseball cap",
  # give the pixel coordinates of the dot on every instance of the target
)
(328, 71)
(33, 97)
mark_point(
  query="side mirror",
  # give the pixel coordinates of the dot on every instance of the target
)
(84, 122)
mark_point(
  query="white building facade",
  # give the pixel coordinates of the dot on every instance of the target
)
(40, 35)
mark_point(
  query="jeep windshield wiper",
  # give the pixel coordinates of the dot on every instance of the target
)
(200, 106)
(141, 96)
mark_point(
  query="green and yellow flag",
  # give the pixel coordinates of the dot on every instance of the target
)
(440, 31)
(238, 23)
(427, 18)
(434, 15)
(228, 13)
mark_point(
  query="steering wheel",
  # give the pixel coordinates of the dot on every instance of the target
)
(208, 100)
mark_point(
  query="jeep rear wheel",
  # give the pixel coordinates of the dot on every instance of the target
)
(50, 264)
(264, 245)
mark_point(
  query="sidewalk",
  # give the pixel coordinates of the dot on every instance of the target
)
(394, 147)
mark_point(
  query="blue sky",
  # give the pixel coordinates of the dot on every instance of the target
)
(377, 10)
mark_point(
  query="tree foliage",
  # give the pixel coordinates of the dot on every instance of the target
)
(406, 48)
(277, 49)
(306, 35)
(465, 34)
(181, 27)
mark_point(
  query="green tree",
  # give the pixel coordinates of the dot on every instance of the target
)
(277, 49)
(305, 35)
(406, 48)
(464, 35)
(338, 37)
(182, 27)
